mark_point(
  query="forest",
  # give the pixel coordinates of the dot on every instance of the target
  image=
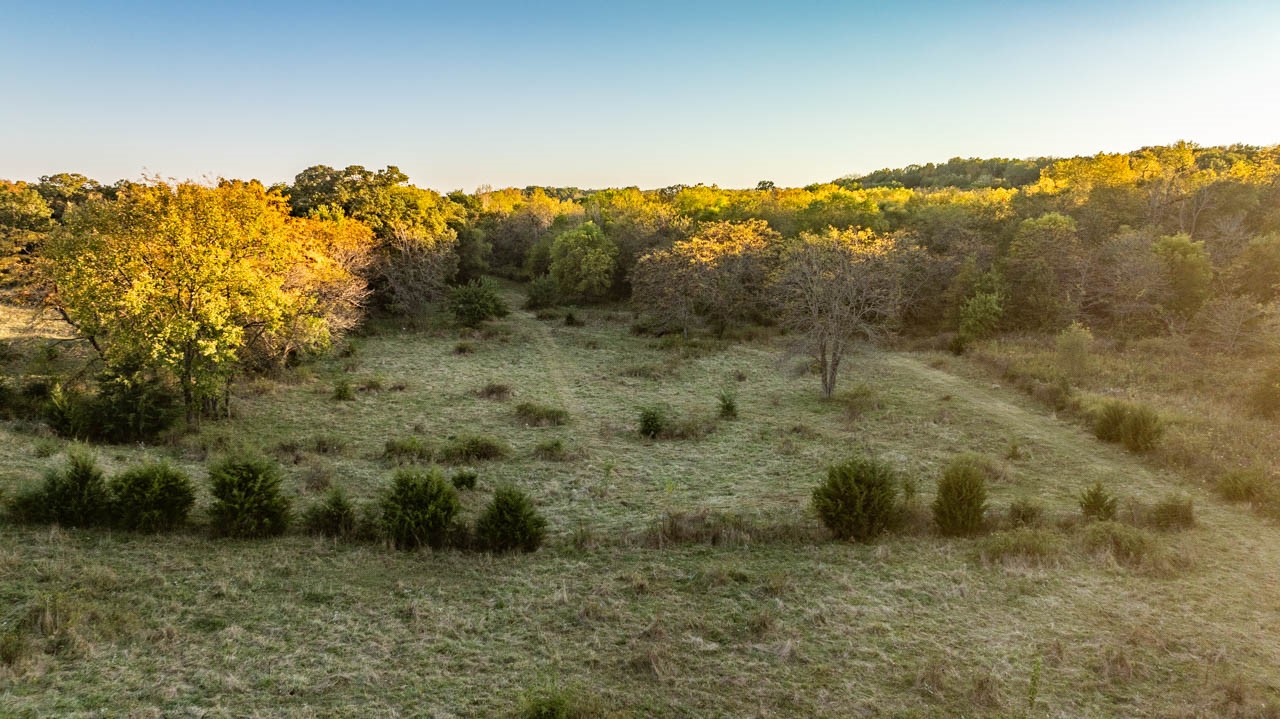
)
(646, 438)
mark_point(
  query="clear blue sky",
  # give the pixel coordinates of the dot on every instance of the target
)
(609, 94)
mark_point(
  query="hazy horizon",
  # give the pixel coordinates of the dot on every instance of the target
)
(591, 97)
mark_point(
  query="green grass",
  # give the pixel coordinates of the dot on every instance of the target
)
(776, 622)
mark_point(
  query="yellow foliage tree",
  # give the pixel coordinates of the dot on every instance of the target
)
(186, 279)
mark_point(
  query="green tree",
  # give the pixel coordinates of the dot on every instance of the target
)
(1189, 271)
(582, 261)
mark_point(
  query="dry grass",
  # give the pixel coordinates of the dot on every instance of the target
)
(735, 611)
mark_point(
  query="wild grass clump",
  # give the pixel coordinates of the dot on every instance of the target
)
(464, 348)
(552, 450)
(1024, 546)
(335, 516)
(475, 302)
(1025, 512)
(73, 496)
(858, 400)
(495, 391)
(533, 414)
(571, 320)
(1097, 504)
(151, 498)
(247, 501)
(1171, 514)
(1245, 485)
(1265, 398)
(644, 371)
(328, 444)
(657, 423)
(1136, 426)
(961, 502)
(407, 450)
(557, 702)
(1128, 546)
(721, 529)
(511, 522)
(858, 500)
(472, 448)
(464, 479)
(419, 509)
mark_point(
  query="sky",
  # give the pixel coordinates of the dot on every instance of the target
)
(608, 94)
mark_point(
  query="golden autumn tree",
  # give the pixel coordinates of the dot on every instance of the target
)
(185, 279)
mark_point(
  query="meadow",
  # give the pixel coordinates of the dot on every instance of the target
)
(681, 577)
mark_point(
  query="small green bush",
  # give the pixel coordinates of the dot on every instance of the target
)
(510, 522)
(1242, 486)
(335, 516)
(473, 448)
(464, 479)
(74, 496)
(1025, 512)
(151, 498)
(653, 422)
(728, 404)
(342, 391)
(419, 509)
(541, 293)
(533, 414)
(247, 501)
(1097, 504)
(475, 302)
(571, 320)
(406, 450)
(859, 498)
(1172, 513)
(961, 501)
(1265, 398)
(464, 348)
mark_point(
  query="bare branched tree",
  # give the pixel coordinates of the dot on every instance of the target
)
(836, 287)
(416, 268)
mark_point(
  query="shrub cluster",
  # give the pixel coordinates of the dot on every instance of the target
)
(475, 302)
(1136, 426)
(656, 423)
(335, 516)
(472, 448)
(541, 293)
(147, 498)
(129, 406)
(859, 498)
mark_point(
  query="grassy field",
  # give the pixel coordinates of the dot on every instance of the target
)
(772, 620)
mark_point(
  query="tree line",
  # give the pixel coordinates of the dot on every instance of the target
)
(199, 282)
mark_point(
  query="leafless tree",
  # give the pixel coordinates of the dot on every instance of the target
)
(836, 287)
